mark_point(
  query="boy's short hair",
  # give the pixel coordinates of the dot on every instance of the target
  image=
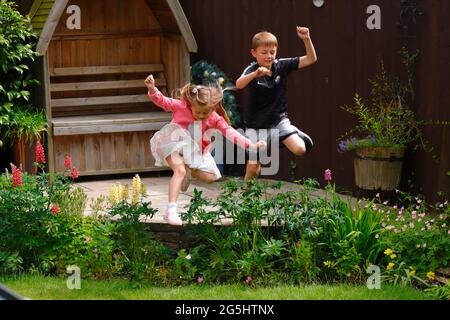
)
(264, 38)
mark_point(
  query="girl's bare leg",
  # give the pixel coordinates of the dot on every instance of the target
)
(252, 170)
(179, 172)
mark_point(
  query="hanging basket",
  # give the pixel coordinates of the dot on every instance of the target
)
(378, 168)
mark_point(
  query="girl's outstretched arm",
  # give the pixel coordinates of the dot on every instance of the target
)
(168, 104)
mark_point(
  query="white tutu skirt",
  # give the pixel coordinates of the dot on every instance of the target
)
(173, 138)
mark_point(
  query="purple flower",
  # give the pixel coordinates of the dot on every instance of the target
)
(347, 144)
(200, 279)
(327, 175)
(247, 280)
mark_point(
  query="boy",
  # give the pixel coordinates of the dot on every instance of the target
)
(267, 80)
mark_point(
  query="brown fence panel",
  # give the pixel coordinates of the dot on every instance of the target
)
(349, 53)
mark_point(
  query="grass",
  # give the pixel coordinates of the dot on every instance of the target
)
(53, 288)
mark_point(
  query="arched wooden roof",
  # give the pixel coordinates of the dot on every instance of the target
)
(45, 15)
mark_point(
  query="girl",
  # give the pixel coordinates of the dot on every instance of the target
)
(176, 145)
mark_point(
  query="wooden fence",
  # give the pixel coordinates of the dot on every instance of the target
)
(348, 55)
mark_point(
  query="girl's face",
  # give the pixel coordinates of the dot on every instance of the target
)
(201, 112)
(265, 55)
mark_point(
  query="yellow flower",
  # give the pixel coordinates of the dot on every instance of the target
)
(125, 193)
(388, 252)
(392, 256)
(412, 273)
(327, 263)
(136, 190)
(431, 275)
(143, 190)
(114, 194)
(390, 265)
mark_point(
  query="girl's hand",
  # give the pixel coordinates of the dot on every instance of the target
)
(263, 71)
(303, 33)
(261, 144)
(150, 83)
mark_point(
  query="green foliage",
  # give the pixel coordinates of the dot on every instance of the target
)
(28, 227)
(418, 233)
(205, 73)
(388, 121)
(440, 292)
(304, 233)
(18, 119)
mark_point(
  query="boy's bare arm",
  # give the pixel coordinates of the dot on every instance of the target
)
(311, 57)
(243, 81)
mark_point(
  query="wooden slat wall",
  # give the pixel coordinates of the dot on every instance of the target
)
(175, 57)
(113, 32)
(114, 150)
(348, 55)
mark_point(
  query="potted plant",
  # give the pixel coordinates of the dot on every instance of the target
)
(20, 122)
(386, 127)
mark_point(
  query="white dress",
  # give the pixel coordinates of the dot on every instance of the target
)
(173, 138)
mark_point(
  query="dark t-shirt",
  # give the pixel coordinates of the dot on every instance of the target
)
(267, 100)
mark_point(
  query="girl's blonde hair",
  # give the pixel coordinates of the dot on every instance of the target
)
(204, 96)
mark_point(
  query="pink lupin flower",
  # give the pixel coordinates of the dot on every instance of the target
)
(55, 209)
(67, 162)
(327, 175)
(39, 153)
(247, 280)
(16, 176)
(74, 173)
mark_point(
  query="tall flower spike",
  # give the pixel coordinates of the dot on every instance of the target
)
(39, 153)
(327, 175)
(74, 173)
(114, 194)
(136, 192)
(67, 162)
(16, 176)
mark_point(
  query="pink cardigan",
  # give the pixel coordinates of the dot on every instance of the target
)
(182, 115)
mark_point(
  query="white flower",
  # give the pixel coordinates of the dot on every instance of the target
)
(424, 245)
(214, 74)
(188, 257)
(206, 74)
(377, 235)
(221, 80)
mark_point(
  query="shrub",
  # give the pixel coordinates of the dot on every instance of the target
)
(18, 118)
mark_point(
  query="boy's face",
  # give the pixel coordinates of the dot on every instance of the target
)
(265, 55)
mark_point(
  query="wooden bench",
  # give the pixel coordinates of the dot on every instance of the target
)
(103, 118)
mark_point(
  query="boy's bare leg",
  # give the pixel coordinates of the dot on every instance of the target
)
(204, 176)
(179, 171)
(295, 144)
(252, 170)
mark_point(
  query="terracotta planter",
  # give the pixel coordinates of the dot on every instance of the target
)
(378, 168)
(23, 155)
